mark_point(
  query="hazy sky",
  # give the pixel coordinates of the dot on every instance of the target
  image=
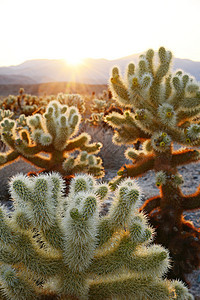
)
(99, 29)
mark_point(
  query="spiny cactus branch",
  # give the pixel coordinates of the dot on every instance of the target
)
(151, 204)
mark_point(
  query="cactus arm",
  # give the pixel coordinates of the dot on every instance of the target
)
(126, 197)
(54, 236)
(50, 122)
(5, 230)
(39, 161)
(119, 89)
(34, 261)
(84, 162)
(115, 182)
(8, 157)
(138, 288)
(80, 239)
(165, 59)
(7, 257)
(185, 156)
(182, 138)
(114, 259)
(105, 231)
(16, 286)
(29, 150)
(187, 115)
(139, 168)
(192, 201)
(148, 124)
(8, 139)
(92, 148)
(81, 142)
(177, 97)
(135, 170)
(129, 134)
(125, 125)
(176, 133)
(22, 250)
(115, 120)
(149, 58)
(190, 103)
(168, 87)
(151, 204)
(155, 261)
(155, 87)
(95, 170)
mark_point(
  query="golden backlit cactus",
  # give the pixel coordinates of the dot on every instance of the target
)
(55, 133)
(161, 108)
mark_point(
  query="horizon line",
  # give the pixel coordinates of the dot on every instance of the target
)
(87, 58)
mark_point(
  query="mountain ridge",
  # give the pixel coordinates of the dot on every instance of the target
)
(91, 71)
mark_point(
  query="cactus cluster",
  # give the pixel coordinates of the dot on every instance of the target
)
(9, 103)
(54, 246)
(24, 103)
(50, 141)
(72, 100)
(97, 117)
(161, 109)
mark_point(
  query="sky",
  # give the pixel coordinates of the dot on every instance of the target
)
(78, 29)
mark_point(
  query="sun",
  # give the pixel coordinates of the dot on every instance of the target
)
(74, 61)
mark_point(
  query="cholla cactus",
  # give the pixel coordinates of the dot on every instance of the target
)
(72, 100)
(54, 133)
(28, 110)
(81, 255)
(10, 103)
(96, 119)
(162, 109)
(24, 103)
(98, 105)
(5, 114)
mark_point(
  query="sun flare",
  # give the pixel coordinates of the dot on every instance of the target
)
(74, 61)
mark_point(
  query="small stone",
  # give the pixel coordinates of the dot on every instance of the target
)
(198, 279)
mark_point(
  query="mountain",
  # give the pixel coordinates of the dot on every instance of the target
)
(91, 71)
(15, 79)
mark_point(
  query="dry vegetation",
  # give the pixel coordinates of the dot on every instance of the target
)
(52, 88)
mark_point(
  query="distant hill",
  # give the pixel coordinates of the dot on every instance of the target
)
(92, 71)
(15, 79)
